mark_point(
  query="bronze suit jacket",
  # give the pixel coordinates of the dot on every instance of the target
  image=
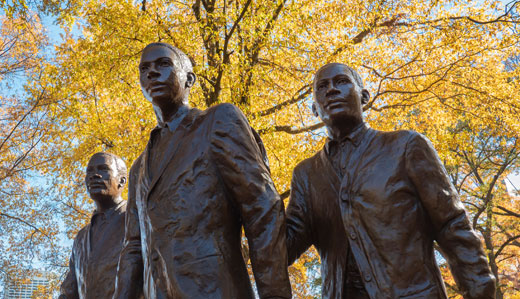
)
(93, 266)
(183, 226)
(393, 202)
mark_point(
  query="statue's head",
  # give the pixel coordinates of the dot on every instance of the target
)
(166, 76)
(339, 95)
(105, 177)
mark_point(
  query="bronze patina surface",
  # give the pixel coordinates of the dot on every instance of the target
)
(96, 249)
(200, 180)
(374, 202)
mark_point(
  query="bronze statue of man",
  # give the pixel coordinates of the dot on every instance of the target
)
(96, 249)
(200, 179)
(373, 203)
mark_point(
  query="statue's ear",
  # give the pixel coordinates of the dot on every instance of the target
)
(122, 181)
(315, 109)
(365, 96)
(190, 79)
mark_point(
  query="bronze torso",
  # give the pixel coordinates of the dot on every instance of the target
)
(93, 263)
(393, 201)
(185, 215)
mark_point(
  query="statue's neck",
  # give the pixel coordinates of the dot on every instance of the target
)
(105, 205)
(170, 114)
(341, 129)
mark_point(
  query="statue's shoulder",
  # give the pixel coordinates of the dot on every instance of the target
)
(311, 164)
(396, 134)
(136, 165)
(400, 136)
(81, 235)
(226, 110)
(405, 140)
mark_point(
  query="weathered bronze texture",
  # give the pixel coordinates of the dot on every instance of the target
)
(374, 202)
(200, 179)
(96, 249)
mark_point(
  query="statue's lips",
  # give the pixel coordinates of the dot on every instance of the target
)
(156, 87)
(97, 185)
(334, 103)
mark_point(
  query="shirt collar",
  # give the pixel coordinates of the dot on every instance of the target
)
(353, 137)
(176, 119)
(108, 213)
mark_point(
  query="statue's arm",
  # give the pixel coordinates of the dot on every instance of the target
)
(69, 286)
(298, 220)
(245, 175)
(129, 280)
(459, 243)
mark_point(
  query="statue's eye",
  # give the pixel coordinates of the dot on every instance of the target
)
(322, 85)
(165, 63)
(342, 81)
(143, 68)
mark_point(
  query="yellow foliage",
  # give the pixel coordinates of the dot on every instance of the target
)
(435, 67)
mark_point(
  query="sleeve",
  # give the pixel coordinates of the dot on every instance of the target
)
(246, 177)
(129, 279)
(453, 232)
(262, 148)
(298, 222)
(69, 286)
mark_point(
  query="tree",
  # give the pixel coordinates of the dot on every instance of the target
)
(478, 173)
(26, 229)
(425, 63)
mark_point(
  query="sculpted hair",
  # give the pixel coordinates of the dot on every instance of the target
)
(355, 75)
(182, 58)
(120, 164)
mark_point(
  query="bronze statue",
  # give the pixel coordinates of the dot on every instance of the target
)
(95, 253)
(373, 203)
(200, 179)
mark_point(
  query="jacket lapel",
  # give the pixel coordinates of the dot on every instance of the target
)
(175, 141)
(144, 175)
(330, 172)
(87, 245)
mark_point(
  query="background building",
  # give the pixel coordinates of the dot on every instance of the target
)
(24, 289)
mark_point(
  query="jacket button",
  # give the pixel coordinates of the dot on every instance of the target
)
(344, 196)
(352, 235)
(368, 277)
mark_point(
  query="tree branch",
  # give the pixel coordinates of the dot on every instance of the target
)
(508, 212)
(233, 28)
(300, 95)
(22, 119)
(509, 240)
(26, 223)
(291, 130)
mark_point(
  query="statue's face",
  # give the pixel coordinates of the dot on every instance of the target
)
(162, 79)
(102, 178)
(337, 97)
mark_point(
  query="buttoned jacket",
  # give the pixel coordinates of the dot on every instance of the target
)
(183, 229)
(93, 265)
(394, 200)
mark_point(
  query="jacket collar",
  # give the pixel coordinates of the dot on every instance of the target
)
(355, 137)
(176, 119)
(108, 213)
